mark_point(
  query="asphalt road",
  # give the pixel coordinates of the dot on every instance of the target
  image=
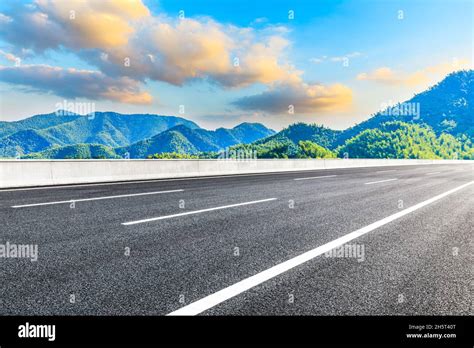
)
(207, 239)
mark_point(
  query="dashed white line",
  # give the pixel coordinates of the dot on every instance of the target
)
(376, 182)
(316, 177)
(218, 297)
(195, 212)
(94, 199)
(432, 173)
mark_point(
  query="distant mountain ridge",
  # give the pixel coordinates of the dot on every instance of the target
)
(181, 139)
(35, 122)
(178, 139)
(446, 110)
(111, 129)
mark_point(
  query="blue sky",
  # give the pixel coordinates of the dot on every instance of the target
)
(335, 62)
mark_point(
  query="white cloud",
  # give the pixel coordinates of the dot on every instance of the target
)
(347, 56)
(322, 59)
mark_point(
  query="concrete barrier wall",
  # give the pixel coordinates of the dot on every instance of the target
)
(24, 173)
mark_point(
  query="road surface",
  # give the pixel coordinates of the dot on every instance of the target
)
(246, 245)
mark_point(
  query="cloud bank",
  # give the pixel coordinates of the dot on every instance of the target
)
(301, 98)
(72, 83)
(129, 46)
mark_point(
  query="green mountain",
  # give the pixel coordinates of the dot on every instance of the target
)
(25, 141)
(243, 133)
(78, 151)
(299, 140)
(404, 140)
(280, 149)
(35, 122)
(297, 132)
(179, 140)
(447, 107)
(40, 132)
(184, 140)
(438, 123)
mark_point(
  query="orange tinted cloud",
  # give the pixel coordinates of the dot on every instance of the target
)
(386, 75)
(92, 24)
(73, 83)
(130, 46)
(302, 98)
(158, 47)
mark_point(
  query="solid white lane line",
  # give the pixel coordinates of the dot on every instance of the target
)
(432, 173)
(316, 177)
(386, 171)
(376, 182)
(196, 212)
(94, 199)
(257, 279)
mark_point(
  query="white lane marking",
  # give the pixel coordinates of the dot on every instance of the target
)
(94, 198)
(386, 171)
(432, 173)
(196, 212)
(376, 182)
(316, 177)
(218, 297)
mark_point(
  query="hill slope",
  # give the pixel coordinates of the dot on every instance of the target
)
(35, 122)
(299, 140)
(78, 151)
(404, 140)
(447, 107)
(181, 139)
(300, 131)
(25, 141)
(105, 128)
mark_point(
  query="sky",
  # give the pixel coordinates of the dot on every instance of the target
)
(223, 62)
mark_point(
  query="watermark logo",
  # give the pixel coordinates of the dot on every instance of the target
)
(356, 251)
(10, 250)
(37, 331)
(291, 14)
(238, 155)
(66, 108)
(400, 15)
(401, 109)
